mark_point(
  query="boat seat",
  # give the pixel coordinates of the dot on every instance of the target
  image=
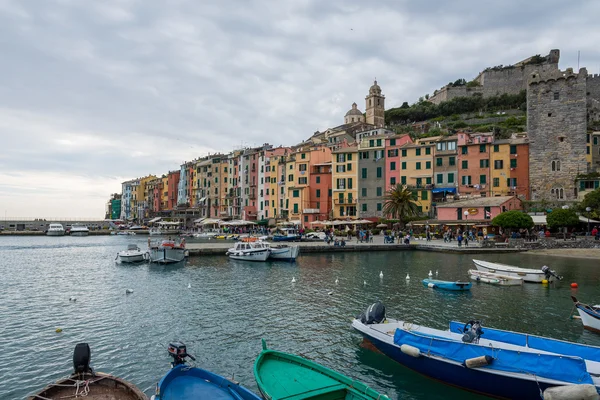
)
(335, 392)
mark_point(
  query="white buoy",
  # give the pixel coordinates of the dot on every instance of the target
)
(330, 293)
(189, 285)
(336, 281)
(381, 274)
(430, 273)
(293, 279)
(407, 277)
(128, 291)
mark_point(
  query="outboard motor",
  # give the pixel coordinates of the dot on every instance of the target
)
(548, 272)
(178, 351)
(81, 358)
(374, 314)
(472, 331)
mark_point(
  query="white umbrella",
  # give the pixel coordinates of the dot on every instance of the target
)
(381, 226)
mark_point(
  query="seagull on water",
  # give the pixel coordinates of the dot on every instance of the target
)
(337, 281)
(365, 283)
(430, 274)
(407, 277)
(72, 298)
(381, 274)
(293, 279)
(189, 285)
(436, 272)
(128, 291)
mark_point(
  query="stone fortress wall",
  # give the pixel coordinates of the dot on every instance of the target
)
(496, 81)
(557, 128)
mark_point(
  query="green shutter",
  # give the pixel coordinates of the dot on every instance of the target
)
(349, 183)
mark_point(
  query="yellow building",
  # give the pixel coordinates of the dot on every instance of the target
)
(499, 167)
(416, 172)
(344, 180)
(164, 197)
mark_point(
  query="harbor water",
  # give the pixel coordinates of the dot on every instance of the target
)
(222, 308)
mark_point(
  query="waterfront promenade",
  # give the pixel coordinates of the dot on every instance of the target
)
(219, 247)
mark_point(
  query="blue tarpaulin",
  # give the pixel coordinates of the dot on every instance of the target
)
(591, 353)
(442, 190)
(561, 368)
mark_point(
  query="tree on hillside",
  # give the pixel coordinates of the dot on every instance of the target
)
(561, 218)
(514, 219)
(405, 105)
(400, 204)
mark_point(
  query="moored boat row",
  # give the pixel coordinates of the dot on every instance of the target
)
(255, 249)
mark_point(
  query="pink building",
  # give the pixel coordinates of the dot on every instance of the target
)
(172, 189)
(392, 158)
(478, 211)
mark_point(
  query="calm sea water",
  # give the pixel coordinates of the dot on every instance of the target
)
(232, 305)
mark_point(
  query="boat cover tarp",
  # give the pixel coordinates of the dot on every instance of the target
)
(591, 353)
(562, 368)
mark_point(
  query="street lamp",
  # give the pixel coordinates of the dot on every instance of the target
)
(467, 217)
(588, 209)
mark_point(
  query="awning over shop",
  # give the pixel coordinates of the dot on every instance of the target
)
(153, 220)
(584, 219)
(538, 219)
(443, 190)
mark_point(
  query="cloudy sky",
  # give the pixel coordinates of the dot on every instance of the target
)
(93, 93)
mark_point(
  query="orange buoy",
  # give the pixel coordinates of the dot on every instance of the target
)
(574, 285)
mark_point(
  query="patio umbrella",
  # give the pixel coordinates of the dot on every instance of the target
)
(381, 226)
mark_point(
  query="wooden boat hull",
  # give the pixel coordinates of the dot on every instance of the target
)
(284, 252)
(590, 316)
(512, 370)
(183, 382)
(281, 375)
(494, 279)
(527, 274)
(447, 285)
(100, 386)
(167, 255)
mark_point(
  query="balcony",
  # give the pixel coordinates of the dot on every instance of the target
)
(344, 201)
(311, 211)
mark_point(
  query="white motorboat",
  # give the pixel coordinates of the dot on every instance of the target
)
(527, 274)
(155, 232)
(205, 235)
(494, 279)
(249, 250)
(287, 235)
(79, 230)
(132, 254)
(55, 230)
(590, 315)
(283, 252)
(166, 251)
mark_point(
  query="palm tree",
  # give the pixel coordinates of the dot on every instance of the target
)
(400, 203)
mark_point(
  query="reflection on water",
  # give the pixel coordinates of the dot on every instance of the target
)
(230, 305)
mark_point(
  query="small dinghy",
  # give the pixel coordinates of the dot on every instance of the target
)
(590, 315)
(85, 383)
(494, 279)
(446, 285)
(184, 382)
(527, 274)
(286, 376)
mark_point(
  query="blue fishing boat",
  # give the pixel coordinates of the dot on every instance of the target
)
(446, 285)
(185, 382)
(287, 235)
(493, 362)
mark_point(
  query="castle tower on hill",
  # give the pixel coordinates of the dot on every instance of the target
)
(375, 106)
(557, 128)
(354, 115)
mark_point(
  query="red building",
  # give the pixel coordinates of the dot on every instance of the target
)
(173, 182)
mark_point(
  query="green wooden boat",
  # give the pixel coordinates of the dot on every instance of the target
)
(286, 376)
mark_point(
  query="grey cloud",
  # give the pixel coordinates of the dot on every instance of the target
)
(157, 83)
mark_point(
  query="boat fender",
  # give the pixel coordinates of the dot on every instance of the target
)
(410, 350)
(431, 285)
(477, 362)
(570, 392)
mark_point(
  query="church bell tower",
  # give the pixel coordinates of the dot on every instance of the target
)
(375, 106)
